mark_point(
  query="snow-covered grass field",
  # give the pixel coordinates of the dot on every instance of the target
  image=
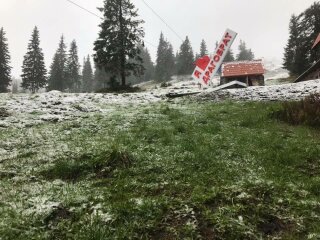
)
(136, 166)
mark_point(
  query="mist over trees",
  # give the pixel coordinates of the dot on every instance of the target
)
(5, 68)
(101, 79)
(304, 29)
(244, 54)
(230, 56)
(117, 47)
(148, 66)
(33, 68)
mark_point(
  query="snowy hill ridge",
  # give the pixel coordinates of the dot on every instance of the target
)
(285, 92)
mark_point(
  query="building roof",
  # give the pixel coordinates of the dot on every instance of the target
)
(313, 68)
(243, 68)
(317, 42)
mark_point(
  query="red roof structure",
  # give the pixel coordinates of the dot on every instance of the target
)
(316, 43)
(244, 68)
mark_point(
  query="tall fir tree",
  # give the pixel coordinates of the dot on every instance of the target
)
(117, 48)
(87, 75)
(170, 63)
(165, 63)
(73, 68)
(5, 68)
(185, 62)
(293, 48)
(311, 30)
(244, 54)
(58, 79)
(33, 69)
(203, 48)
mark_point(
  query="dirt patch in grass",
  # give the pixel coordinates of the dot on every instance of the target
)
(310, 168)
(100, 165)
(58, 214)
(271, 225)
(4, 113)
(183, 223)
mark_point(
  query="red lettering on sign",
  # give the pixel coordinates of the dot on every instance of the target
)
(226, 41)
(197, 74)
(211, 69)
(206, 79)
(222, 46)
(220, 52)
(216, 58)
(228, 35)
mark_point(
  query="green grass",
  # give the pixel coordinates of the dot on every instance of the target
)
(165, 171)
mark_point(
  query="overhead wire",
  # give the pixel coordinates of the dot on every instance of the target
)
(92, 13)
(162, 20)
(88, 11)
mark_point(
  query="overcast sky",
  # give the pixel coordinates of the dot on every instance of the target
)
(263, 24)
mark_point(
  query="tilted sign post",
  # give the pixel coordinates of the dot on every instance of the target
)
(207, 67)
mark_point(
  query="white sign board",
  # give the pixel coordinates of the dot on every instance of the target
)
(207, 67)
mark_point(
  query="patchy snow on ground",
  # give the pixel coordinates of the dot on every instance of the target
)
(23, 110)
(27, 110)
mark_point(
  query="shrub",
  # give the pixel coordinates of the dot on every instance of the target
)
(165, 84)
(306, 111)
(120, 89)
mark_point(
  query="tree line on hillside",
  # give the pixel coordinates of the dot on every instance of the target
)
(120, 57)
(304, 29)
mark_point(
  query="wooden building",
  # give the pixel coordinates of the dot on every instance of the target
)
(248, 72)
(314, 71)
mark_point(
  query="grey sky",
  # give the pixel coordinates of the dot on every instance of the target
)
(263, 24)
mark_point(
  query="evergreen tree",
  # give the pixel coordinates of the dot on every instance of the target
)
(33, 68)
(58, 71)
(87, 76)
(185, 61)
(165, 63)
(73, 68)
(170, 62)
(244, 53)
(203, 49)
(304, 29)
(117, 48)
(293, 48)
(310, 29)
(160, 62)
(5, 69)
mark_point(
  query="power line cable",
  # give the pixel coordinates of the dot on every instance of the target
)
(92, 13)
(162, 20)
(88, 11)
